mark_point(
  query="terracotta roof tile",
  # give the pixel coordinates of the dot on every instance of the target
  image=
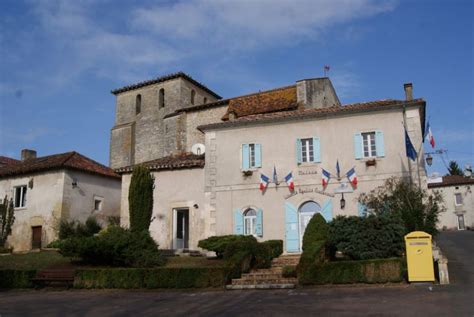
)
(4, 160)
(68, 160)
(165, 78)
(274, 100)
(172, 162)
(302, 113)
(452, 180)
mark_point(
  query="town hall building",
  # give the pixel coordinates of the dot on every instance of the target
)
(260, 164)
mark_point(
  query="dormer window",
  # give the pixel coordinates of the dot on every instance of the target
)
(193, 96)
(138, 104)
(161, 98)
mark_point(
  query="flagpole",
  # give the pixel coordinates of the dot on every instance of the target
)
(405, 128)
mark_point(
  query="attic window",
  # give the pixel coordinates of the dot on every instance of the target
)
(161, 98)
(138, 104)
(193, 96)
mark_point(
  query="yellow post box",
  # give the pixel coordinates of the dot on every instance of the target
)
(419, 257)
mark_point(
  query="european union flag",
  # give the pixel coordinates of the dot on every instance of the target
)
(411, 152)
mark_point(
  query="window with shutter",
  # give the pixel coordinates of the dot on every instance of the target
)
(251, 156)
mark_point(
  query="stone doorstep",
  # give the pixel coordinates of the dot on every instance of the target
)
(252, 277)
(260, 286)
(262, 282)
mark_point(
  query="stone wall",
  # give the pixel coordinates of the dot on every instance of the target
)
(142, 137)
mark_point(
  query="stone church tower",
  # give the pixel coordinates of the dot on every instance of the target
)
(149, 123)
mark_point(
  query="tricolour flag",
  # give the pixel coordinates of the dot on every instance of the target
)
(351, 175)
(429, 135)
(264, 180)
(289, 181)
(325, 177)
(410, 149)
(338, 170)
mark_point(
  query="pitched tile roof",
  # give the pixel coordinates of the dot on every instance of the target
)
(452, 180)
(4, 160)
(302, 113)
(162, 79)
(68, 160)
(279, 99)
(172, 162)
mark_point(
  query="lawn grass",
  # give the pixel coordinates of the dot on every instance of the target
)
(32, 261)
(192, 261)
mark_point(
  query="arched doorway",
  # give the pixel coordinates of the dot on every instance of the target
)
(306, 211)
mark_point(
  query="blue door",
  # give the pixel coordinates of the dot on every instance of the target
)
(291, 225)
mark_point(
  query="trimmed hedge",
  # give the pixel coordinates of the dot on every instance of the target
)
(349, 272)
(314, 243)
(218, 244)
(16, 278)
(128, 278)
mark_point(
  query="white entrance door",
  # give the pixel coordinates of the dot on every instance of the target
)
(306, 212)
(461, 225)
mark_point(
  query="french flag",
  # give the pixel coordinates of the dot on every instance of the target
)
(352, 176)
(429, 135)
(290, 182)
(264, 180)
(325, 178)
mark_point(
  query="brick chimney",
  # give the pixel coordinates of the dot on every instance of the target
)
(408, 91)
(28, 154)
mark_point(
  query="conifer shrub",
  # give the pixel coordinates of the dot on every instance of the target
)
(7, 217)
(76, 229)
(218, 244)
(314, 243)
(140, 199)
(372, 237)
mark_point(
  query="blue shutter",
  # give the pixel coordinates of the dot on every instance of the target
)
(238, 222)
(316, 150)
(361, 210)
(291, 225)
(258, 155)
(358, 146)
(245, 157)
(326, 211)
(379, 146)
(298, 151)
(259, 228)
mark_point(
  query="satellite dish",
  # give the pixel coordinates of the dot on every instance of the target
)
(467, 170)
(198, 149)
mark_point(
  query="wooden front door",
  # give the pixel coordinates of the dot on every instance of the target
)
(36, 234)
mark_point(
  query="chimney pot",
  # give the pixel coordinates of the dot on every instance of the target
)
(27, 154)
(408, 91)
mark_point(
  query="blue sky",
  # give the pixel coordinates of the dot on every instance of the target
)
(60, 59)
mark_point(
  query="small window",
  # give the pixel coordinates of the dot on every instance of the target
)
(307, 153)
(204, 101)
(20, 196)
(368, 144)
(161, 98)
(193, 96)
(458, 199)
(138, 104)
(250, 222)
(98, 203)
(251, 156)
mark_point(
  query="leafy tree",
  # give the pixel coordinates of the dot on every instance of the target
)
(418, 210)
(454, 169)
(140, 199)
(6, 219)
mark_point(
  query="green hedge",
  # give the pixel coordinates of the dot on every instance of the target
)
(151, 278)
(348, 272)
(16, 278)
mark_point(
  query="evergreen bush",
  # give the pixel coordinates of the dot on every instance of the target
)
(372, 237)
(7, 218)
(76, 229)
(140, 199)
(314, 242)
(218, 244)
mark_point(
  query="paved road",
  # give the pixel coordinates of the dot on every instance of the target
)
(396, 300)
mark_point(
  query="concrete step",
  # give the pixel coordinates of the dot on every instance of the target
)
(268, 271)
(266, 281)
(260, 286)
(253, 276)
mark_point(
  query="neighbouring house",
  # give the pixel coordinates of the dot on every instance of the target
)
(458, 201)
(48, 189)
(271, 139)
